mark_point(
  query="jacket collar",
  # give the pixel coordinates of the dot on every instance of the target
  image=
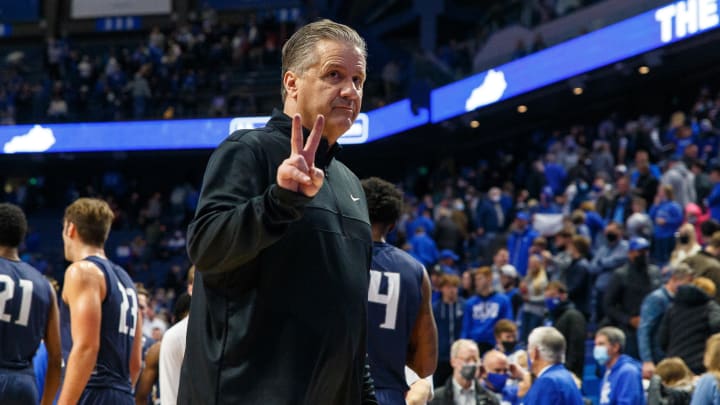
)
(325, 153)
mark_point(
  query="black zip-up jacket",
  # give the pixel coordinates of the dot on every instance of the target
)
(279, 306)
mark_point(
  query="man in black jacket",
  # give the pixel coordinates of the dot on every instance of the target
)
(463, 386)
(628, 287)
(282, 244)
(571, 324)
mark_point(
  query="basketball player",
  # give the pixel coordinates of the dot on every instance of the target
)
(105, 324)
(401, 326)
(28, 314)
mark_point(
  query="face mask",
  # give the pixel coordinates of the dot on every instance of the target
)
(508, 347)
(611, 237)
(684, 239)
(600, 354)
(497, 380)
(641, 261)
(468, 371)
(552, 303)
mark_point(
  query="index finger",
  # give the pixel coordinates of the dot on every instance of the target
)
(314, 139)
(296, 135)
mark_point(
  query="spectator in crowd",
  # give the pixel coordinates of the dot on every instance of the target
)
(639, 224)
(553, 383)
(484, 310)
(622, 381)
(506, 337)
(681, 182)
(579, 286)
(703, 183)
(533, 288)
(705, 263)
(447, 260)
(509, 284)
(463, 387)
(423, 247)
(448, 234)
(652, 310)
(559, 263)
(611, 255)
(570, 323)
(519, 242)
(491, 216)
(620, 208)
(644, 178)
(713, 200)
(686, 244)
(500, 259)
(628, 286)
(667, 216)
(672, 383)
(494, 376)
(448, 312)
(707, 389)
(691, 319)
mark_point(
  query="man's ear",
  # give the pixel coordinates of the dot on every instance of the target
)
(290, 80)
(70, 229)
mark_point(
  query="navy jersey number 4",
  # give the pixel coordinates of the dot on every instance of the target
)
(389, 299)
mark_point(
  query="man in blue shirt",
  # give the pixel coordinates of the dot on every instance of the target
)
(519, 242)
(554, 384)
(651, 312)
(622, 382)
(484, 310)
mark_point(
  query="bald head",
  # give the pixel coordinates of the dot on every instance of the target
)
(496, 362)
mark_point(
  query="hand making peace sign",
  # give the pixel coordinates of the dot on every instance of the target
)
(298, 172)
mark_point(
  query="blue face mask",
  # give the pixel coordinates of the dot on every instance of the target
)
(552, 303)
(600, 354)
(498, 381)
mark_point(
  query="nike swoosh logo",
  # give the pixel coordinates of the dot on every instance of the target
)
(352, 197)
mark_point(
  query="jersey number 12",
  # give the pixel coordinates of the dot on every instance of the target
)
(389, 299)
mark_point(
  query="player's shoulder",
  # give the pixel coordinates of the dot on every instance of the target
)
(404, 257)
(84, 272)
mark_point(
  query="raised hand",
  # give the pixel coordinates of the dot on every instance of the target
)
(298, 172)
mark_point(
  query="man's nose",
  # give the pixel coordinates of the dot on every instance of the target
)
(350, 90)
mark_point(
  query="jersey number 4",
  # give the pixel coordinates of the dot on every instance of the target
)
(128, 305)
(389, 299)
(7, 293)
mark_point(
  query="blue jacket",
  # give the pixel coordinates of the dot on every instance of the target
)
(714, 202)
(487, 216)
(424, 249)
(555, 175)
(651, 313)
(706, 391)
(622, 384)
(555, 386)
(423, 221)
(518, 245)
(673, 215)
(481, 315)
(449, 321)
(608, 258)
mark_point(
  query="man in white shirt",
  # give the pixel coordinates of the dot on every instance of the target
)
(172, 351)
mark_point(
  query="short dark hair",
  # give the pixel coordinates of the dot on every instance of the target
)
(384, 201)
(13, 225)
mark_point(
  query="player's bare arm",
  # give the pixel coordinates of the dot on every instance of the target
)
(84, 292)
(422, 349)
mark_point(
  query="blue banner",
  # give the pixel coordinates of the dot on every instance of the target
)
(628, 38)
(19, 11)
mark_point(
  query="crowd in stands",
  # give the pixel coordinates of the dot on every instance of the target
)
(205, 68)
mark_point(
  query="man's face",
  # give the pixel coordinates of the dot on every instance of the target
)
(465, 356)
(506, 337)
(623, 186)
(501, 258)
(449, 292)
(142, 303)
(552, 293)
(602, 340)
(482, 282)
(331, 86)
(497, 364)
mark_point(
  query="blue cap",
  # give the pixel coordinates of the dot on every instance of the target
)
(448, 254)
(523, 216)
(639, 243)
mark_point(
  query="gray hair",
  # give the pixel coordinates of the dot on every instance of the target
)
(549, 342)
(614, 336)
(459, 344)
(681, 270)
(298, 53)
